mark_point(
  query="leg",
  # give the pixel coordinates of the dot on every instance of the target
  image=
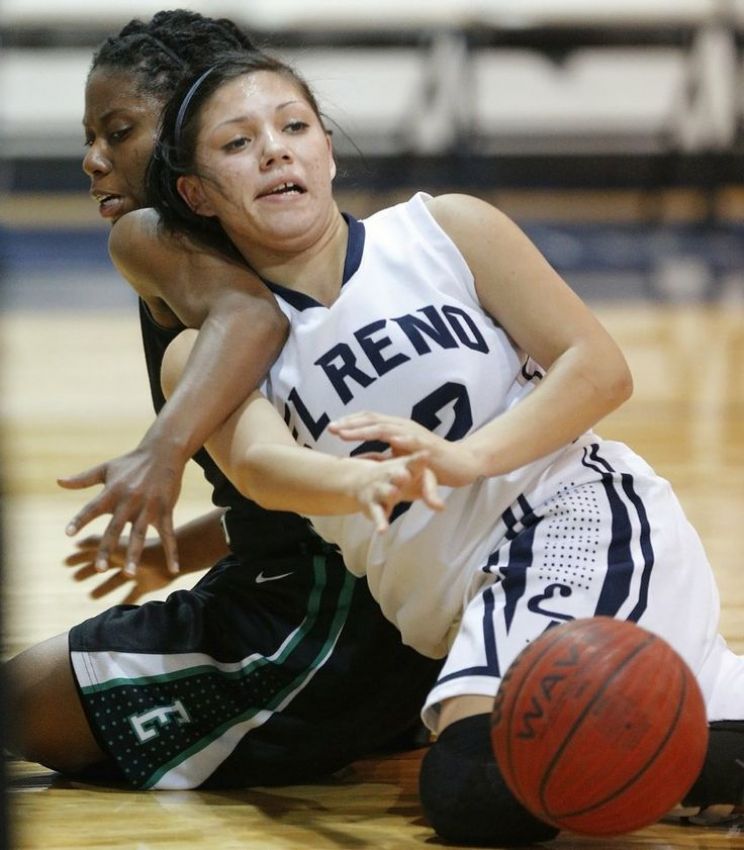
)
(303, 675)
(721, 781)
(48, 724)
(464, 795)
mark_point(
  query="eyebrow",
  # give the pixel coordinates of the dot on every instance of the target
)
(106, 115)
(238, 119)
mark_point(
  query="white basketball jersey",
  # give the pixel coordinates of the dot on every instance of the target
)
(407, 336)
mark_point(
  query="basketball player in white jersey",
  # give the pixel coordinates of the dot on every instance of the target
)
(439, 315)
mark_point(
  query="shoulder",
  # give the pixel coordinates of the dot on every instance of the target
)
(479, 230)
(457, 213)
(145, 259)
(178, 280)
(141, 250)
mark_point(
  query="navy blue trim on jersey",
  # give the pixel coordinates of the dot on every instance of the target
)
(521, 533)
(620, 563)
(491, 667)
(354, 253)
(646, 547)
(513, 582)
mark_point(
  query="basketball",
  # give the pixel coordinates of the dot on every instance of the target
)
(599, 727)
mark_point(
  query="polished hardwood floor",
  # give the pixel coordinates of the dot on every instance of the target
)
(74, 393)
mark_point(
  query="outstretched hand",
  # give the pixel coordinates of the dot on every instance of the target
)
(140, 488)
(390, 482)
(452, 463)
(151, 575)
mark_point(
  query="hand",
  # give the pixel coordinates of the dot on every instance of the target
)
(141, 488)
(152, 574)
(452, 463)
(389, 482)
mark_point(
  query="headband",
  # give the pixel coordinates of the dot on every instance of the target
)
(185, 105)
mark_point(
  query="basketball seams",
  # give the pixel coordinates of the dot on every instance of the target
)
(647, 644)
(513, 699)
(611, 711)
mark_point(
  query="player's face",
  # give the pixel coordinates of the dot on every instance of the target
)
(265, 164)
(121, 125)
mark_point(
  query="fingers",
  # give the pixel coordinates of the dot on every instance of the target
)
(110, 538)
(84, 551)
(402, 435)
(104, 549)
(430, 488)
(373, 456)
(87, 478)
(424, 479)
(137, 537)
(92, 510)
(379, 516)
(366, 431)
(170, 546)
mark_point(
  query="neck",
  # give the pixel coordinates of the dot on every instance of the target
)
(314, 267)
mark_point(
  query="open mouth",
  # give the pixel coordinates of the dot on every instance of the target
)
(286, 188)
(105, 197)
(110, 205)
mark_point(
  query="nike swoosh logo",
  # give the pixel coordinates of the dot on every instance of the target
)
(261, 578)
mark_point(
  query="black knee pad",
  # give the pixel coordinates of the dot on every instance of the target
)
(721, 781)
(464, 796)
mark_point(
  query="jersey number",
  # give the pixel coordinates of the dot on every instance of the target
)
(427, 413)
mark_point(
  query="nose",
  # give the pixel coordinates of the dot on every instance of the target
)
(274, 149)
(95, 161)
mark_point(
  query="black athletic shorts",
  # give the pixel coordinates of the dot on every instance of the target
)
(277, 671)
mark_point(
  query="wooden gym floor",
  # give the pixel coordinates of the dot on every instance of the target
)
(74, 393)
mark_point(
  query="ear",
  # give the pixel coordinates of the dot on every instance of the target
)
(332, 161)
(191, 189)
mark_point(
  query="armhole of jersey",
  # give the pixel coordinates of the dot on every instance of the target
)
(443, 246)
(176, 329)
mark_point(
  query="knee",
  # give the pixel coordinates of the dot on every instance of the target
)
(46, 721)
(464, 795)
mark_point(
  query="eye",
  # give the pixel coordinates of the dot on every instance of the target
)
(119, 135)
(296, 126)
(236, 144)
(88, 142)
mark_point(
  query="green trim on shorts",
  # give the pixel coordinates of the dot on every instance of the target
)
(342, 611)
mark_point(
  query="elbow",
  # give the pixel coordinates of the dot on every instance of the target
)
(250, 477)
(617, 387)
(622, 386)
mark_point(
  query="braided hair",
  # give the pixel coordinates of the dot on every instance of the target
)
(163, 51)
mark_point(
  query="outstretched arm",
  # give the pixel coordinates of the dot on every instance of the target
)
(257, 452)
(242, 332)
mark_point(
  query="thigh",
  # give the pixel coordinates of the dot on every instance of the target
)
(264, 673)
(47, 723)
(604, 536)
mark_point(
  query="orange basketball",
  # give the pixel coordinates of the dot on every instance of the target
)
(599, 727)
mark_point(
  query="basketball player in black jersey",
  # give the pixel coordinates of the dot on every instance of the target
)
(278, 666)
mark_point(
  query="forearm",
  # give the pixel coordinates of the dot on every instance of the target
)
(292, 478)
(579, 389)
(226, 363)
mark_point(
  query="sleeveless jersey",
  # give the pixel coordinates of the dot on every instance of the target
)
(407, 336)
